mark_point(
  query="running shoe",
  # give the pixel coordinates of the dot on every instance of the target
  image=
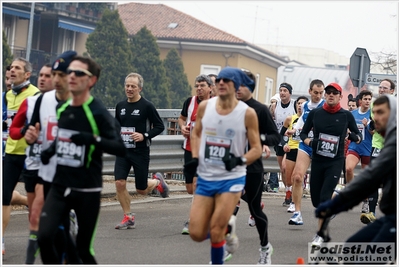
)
(268, 188)
(367, 218)
(287, 202)
(162, 187)
(251, 220)
(266, 255)
(317, 241)
(226, 257)
(291, 208)
(185, 229)
(296, 219)
(275, 190)
(126, 223)
(231, 238)
(365, 206)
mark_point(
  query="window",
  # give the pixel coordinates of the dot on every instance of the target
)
(268, 89)
(69, 40)
(210, 69)
(257, 86)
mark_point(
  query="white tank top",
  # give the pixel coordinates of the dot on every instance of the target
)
(32, 160)
(221, 135)
(280, 113)
(49, 122)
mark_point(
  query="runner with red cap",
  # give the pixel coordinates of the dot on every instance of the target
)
(329, 124)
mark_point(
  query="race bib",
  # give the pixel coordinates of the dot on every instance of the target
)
(361, 130)
(327, 145)
(36, 149)
(126, 133)
(10, 117)
(376, 152)
(68, 153)
(216, 149)
(52, 128)
(296, 134)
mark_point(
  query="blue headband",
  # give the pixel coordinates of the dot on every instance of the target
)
(238, 77)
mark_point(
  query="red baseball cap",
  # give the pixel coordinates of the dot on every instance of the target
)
(335, 86)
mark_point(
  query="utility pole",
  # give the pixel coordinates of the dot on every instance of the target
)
(32, 18)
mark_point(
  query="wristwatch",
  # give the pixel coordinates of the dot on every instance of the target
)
(146, 136)
(98, 139)
(244, 161)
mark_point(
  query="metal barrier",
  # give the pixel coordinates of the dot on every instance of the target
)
(166, 156)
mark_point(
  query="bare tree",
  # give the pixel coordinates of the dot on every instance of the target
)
(384, 62)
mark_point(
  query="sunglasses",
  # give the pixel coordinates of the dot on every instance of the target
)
(334, 92)
(80, 72)
(225, 80)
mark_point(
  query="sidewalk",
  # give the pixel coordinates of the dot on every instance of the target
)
(109, 190)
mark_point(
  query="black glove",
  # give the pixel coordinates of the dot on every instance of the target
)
(330, 207)
(353, 137)
(190, 168)
(5, 126)
(24, 129)
(232, 162)
(46, 154)
(83, 138)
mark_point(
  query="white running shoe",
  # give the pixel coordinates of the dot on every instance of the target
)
(266, 255)
(251, 221)
(365, 206)
(291, 208)
(317, 241)
(296, 219)
(231, 238)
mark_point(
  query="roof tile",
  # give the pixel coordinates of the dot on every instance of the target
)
(157, 17)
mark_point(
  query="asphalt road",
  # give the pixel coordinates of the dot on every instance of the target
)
(157, 238)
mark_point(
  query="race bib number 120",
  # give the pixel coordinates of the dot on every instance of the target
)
(217, 149)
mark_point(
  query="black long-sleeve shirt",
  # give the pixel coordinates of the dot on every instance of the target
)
(267, 127)
(77, 119)
(141, 115)
(327, 127)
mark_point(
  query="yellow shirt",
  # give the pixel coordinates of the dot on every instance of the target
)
(293, 141)
(17, 147)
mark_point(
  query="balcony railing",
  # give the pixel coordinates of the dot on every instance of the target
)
(37, 58)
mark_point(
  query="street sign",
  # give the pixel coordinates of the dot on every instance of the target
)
(359, 65)
(375, 79)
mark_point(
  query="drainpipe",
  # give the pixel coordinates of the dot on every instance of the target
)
(32, 18)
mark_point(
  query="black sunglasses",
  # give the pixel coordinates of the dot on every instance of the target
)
(79, 73)
(225, 80)
(334, 92)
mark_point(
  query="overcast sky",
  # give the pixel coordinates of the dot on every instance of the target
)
(339, 26)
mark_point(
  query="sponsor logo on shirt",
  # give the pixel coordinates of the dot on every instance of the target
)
(136, 112)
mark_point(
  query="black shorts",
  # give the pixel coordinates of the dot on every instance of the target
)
(12, 170)
(31, 179)
(292, 154)
(279, 151)
(139, 159)
(187, 158)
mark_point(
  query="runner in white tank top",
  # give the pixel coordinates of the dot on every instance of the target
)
(218, 141)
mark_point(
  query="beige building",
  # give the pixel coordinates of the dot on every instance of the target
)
(203, 49)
